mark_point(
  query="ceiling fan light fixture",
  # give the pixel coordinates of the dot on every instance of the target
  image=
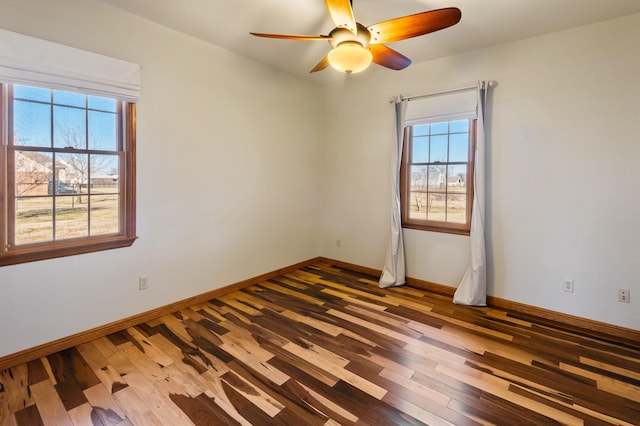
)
(350, 57)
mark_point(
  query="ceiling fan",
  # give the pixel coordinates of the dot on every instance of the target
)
(356, 46)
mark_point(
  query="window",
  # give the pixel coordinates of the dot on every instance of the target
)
(437, 176)
(67, 167)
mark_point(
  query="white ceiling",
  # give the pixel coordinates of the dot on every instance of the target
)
(227, 23)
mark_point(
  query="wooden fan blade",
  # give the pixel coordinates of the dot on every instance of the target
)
(321, 65)
(414, 25)
(387, 57)
(292, 37)
(342, 14)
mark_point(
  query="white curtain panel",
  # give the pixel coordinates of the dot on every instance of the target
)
(393, 272)
(34, 62)
(472, 290)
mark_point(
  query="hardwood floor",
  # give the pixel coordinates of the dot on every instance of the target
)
(325, 346)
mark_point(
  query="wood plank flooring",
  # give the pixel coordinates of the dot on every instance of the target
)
(325, 346)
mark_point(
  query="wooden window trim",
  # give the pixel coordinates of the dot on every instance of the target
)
(12, 255)
(435, 226)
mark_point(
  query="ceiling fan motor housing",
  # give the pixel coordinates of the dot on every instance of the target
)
(341, 35)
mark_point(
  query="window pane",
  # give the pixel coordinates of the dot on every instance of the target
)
(459, 147)
(418, 205)
(103, 131)
(104, 174)
(457, 208)
(72, 171)
(69, 125)
(420, 150)
(31, 124)
(34, 220)
(69, 98)
(437, 178)
(33, 172)
(72, 219)
(436, 207)
(103, 104)
(32, 93)
(461, 126)
(440, 128)
(418, 178)
(421, 130)
(105, 214)
(439, 148)
(457, 178)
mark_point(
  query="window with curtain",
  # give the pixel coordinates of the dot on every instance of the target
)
(67, 163)
(437, 167)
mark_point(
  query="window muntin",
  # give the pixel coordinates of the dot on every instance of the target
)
(68, 166)
(437, 176)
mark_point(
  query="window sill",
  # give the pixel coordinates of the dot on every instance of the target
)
(435, 228)
(58, 249)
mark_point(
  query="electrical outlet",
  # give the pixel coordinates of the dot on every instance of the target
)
(623, 295)
(567, 285)
(338, 243)
(143, 282)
